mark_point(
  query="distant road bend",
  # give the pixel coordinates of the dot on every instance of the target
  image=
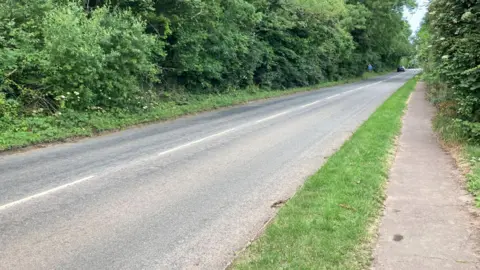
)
(177, 195)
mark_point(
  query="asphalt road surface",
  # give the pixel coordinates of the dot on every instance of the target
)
(185, 194)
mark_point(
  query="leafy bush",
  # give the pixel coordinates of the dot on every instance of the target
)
(212, 43)
(303, 43)
(449, 41)
(101, 60)
(73, 59)
(8, 107)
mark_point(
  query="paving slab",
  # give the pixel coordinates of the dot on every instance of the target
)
(428, 221)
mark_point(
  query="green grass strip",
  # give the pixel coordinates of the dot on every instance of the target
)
(329, 223)
(472, 153)
(21, 132)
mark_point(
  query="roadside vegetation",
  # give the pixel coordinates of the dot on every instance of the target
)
(329, 223)
(76, 67)
(448, 44)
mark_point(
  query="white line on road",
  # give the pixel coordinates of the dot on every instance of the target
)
(46, 192)
(59, 188)
(333, 96)
(310, 104)
(196, 141)
(273, 116)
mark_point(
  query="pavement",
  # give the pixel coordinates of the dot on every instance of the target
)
(428, 221)
(184, 194)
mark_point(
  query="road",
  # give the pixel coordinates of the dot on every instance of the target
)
(185, 194)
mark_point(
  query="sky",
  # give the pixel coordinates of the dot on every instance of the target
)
(416, 17)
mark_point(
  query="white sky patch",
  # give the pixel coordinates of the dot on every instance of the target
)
(415, 18)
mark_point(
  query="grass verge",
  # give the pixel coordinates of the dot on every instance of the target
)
(472, 153)
(21, 132)
(327, 224)
(466, 153)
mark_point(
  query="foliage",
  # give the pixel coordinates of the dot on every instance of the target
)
(212, 45)
(102, 60)
(8, 107)
(302, 41)
(65, 58)
(383, 38)
(448, 43)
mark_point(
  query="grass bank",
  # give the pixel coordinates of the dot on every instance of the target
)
(21, 132)
(472, 153)
(465, 152)
(328, 223)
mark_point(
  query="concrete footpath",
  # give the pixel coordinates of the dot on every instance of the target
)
(428, 221)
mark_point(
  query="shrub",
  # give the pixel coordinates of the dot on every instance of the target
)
(449, 42)
(73, 59)
(9, 108)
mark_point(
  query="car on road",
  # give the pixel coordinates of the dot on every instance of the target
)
(401, 69)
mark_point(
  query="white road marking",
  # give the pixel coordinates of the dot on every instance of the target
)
(59, 188)
(273, 116)
(196, 141)
(333, 96)
(46, 192)
(310, 104)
